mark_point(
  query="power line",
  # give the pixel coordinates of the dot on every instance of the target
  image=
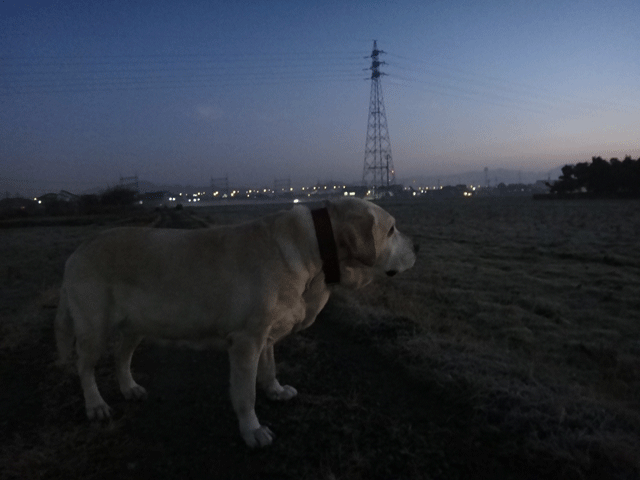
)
(452, 81)
(98, 74)
(465, 94)
(256, 54)
(232, 80)
(42, 75)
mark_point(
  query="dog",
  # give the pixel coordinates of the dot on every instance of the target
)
(240, 287)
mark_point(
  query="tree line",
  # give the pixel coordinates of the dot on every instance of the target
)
(115, 196)
(113, 200)
(600, 178)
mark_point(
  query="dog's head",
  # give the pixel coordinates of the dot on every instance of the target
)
(368, 242)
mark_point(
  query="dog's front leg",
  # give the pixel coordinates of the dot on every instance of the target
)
(267, 377)
(244, 354)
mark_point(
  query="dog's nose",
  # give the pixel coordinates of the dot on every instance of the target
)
(416, 247)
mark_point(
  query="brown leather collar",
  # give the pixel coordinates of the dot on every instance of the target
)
(327, 245)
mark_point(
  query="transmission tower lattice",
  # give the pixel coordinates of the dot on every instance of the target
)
(378, 165)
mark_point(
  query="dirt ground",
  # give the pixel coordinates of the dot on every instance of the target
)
(363, 410)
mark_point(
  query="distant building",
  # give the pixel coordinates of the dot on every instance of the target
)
(62, 196)
(391, 191)
(355, 191)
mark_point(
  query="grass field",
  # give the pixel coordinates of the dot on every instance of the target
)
(536, 306)
(511, 350)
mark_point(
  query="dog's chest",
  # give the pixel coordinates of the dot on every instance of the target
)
(286, 322)
(302, 313)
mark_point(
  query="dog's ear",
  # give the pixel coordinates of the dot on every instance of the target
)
(355, 234)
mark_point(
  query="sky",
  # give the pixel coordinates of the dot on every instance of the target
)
(179, 92)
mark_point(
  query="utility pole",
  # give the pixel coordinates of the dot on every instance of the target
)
(378, 168)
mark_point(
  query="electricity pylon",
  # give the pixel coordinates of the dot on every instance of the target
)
(378, 165)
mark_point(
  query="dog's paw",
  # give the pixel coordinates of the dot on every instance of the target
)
(283, 393)
(260, 437)
(100, 411)
(135, 392)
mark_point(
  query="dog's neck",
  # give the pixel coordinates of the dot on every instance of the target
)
(327, 245)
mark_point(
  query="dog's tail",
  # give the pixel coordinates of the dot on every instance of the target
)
(65, 335)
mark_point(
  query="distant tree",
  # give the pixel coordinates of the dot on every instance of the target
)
(581, 175)
(567, 182)
(630, 175)
(89, 203)
(119, 196)
(617, 174)
(600, 177)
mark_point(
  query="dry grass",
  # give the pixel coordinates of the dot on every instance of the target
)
(535, 307)
(522, 320)
(30, 272)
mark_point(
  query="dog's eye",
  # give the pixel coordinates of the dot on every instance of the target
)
(391, 230)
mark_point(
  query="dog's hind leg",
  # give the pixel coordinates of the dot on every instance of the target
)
(64, 329)
(89, 350)
(267, 377)
(123, 353)
(89, 309)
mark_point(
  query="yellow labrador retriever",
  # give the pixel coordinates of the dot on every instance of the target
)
(239, 287)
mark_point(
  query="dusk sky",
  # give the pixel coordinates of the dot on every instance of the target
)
(178, 92)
